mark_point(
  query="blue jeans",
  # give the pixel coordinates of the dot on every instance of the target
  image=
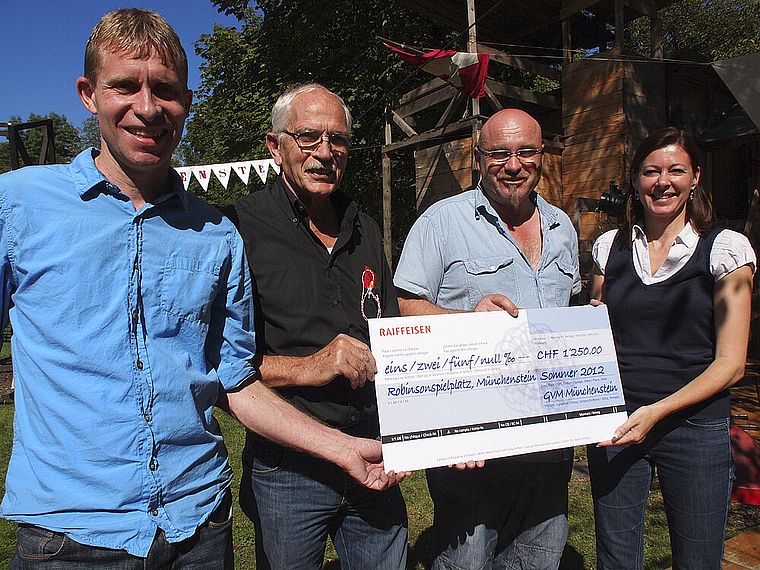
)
(295, 501)
(511, 514)
(695, 469)
(210, 548)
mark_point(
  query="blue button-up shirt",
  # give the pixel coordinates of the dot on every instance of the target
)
(126, 327)
(459, 251)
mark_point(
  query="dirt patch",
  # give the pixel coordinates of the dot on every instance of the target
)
(6, 377)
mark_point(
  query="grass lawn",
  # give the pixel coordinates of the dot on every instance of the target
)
(579, 552)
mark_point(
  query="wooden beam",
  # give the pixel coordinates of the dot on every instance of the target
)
(646, 7)
(524, 94)
(655, 26)
(433, 85)
(520, 63)
(387, 228)
(472, 45)
(567, 46)
(403, 125)
(446, 117)
(426, 101)
(619, 23)
(573, 7)
(492, 98)
(447, 131)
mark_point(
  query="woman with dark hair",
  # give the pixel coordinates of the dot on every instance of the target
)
(678, 293)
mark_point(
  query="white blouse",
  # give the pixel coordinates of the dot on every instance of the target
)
(730, 251)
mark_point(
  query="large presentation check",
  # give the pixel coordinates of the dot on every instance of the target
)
(471, 386)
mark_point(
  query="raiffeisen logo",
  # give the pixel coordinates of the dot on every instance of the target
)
(408, 330)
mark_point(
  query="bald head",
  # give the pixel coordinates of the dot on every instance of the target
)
(509, 170)
(512, 123)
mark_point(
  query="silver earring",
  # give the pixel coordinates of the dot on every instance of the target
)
(636, 196)
(691, 195)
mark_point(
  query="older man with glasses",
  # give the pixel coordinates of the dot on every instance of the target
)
(319, 273)
(497, 247)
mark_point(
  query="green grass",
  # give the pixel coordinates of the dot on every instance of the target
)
(579, 552)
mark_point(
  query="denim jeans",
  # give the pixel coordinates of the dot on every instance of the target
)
(295, 501)
(695, 470)
(511, 514)
(210, 548)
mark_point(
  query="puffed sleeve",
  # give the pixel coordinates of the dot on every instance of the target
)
(601, 250)
(730, 251)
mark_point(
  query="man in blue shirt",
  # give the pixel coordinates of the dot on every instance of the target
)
(498, 247)
(131, 307)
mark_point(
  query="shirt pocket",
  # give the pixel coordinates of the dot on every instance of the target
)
(559, 278)
(188, 288)
(491, 276)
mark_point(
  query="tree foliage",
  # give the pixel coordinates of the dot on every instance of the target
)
(67, 140)
(717, 29)
(286, 42)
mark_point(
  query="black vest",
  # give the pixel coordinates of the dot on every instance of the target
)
(664, 332)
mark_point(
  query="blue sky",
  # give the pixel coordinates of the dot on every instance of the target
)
(42, 48)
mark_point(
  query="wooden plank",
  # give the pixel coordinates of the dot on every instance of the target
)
(602, 132)
(588, 187)
(592, 88)
(434, 84)
(594, 71)
(446, 116)
(449, 130)
(593, 119)
(605, 163)
(585, 106)
(523, 94)
(646, 7)
(426, 101)
(598, 151)
(573, 7)
(520, 62)
(610, 143)
(403, 125)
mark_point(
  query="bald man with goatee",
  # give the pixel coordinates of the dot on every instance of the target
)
(496, 248)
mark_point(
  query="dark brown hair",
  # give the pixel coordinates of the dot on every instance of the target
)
(699, 210)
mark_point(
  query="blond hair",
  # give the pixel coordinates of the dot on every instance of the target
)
(134, 31)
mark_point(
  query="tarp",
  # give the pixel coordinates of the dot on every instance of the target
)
(742, 76)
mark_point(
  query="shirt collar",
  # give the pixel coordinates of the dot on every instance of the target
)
(347, 208)
(89, 181)
(688, 236)
(547, 214)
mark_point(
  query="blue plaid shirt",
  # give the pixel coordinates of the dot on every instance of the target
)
(127, 325)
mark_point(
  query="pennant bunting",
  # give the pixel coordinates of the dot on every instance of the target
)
(261, 167)
(184, 174)
(202, 175)
(222, 172)
(243, 170)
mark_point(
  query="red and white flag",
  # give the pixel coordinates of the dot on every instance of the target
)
(465, 71)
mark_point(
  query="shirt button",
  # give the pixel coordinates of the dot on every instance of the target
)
(147, 417)
(139, 364)
(335, 302)
(135, 316)
(154, 512)
(152, 465)
(295, 220)
(493, 267)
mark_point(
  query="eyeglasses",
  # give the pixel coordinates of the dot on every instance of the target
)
(524, 155)
(309, 141)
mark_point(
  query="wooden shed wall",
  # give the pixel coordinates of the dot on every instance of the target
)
(449, 169)
(442, 171)
(593, 118)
